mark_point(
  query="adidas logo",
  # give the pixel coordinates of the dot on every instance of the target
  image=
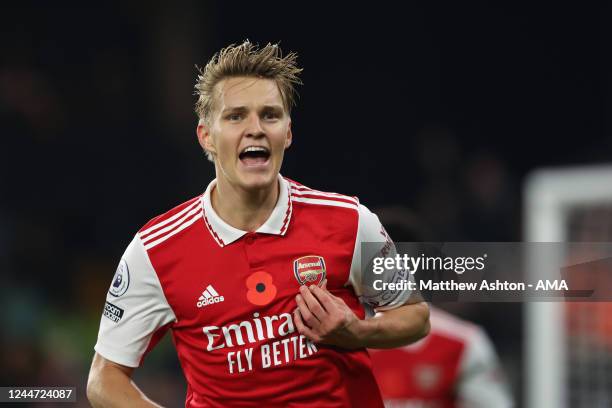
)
(209, 296)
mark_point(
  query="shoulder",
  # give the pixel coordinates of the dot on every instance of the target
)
(169, 223)
(307, 196)
(477, 352)
(339, 206)
(447, 325)
(449, 333)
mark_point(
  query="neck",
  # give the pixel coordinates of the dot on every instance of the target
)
(242, 209)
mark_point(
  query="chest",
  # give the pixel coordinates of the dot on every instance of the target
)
(258, 275)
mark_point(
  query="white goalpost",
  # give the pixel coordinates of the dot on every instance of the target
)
(567, 368)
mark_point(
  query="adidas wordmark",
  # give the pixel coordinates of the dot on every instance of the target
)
(209, 296)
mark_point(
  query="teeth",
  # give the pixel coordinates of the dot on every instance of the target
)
(255, 149)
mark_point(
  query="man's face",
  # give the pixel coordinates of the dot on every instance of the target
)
(248, 132)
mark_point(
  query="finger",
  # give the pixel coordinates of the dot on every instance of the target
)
(305, 312)
(323, 297)
(337, 300)
(313, 304)
(302, 328)
(331, 295)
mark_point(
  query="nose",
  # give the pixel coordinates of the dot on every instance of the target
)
(254, 128)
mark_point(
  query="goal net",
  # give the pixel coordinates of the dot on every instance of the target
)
(568, 361)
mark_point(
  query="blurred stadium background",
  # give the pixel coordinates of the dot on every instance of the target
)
(444, 109)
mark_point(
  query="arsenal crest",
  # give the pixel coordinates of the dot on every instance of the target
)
(309, 270)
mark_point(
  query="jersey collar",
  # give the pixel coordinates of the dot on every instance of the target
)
(277, 224)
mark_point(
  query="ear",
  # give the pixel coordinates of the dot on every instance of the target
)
(289, 138)
(204, 137)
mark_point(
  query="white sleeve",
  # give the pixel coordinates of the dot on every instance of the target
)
(481, 381)
(135, 309)
(376, 243)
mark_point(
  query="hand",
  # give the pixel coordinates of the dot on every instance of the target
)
(325, 318)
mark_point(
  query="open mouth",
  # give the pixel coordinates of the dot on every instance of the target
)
(254, 155)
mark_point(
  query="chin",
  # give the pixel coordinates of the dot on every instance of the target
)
(258, 181)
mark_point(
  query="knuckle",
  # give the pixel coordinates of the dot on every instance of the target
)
(309, 319)
(335, 321)
(317, 309)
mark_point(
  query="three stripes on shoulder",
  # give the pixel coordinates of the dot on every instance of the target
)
(193, 211)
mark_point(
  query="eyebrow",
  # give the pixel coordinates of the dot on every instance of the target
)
(234, 109)
(273, 107)
(244, 108)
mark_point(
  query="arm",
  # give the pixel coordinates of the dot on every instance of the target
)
(135, 316)
(396, 327)
(110, 385)
(325, 318)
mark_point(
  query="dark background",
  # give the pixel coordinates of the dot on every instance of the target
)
(440, 108)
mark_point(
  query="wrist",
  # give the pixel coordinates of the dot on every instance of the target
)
(362, 331)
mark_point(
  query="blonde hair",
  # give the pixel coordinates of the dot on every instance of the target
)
(247, 60)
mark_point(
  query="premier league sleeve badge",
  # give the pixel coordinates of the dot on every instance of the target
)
(121, 280)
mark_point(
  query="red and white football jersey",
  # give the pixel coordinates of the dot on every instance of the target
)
(454, 366)
(228, 296)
